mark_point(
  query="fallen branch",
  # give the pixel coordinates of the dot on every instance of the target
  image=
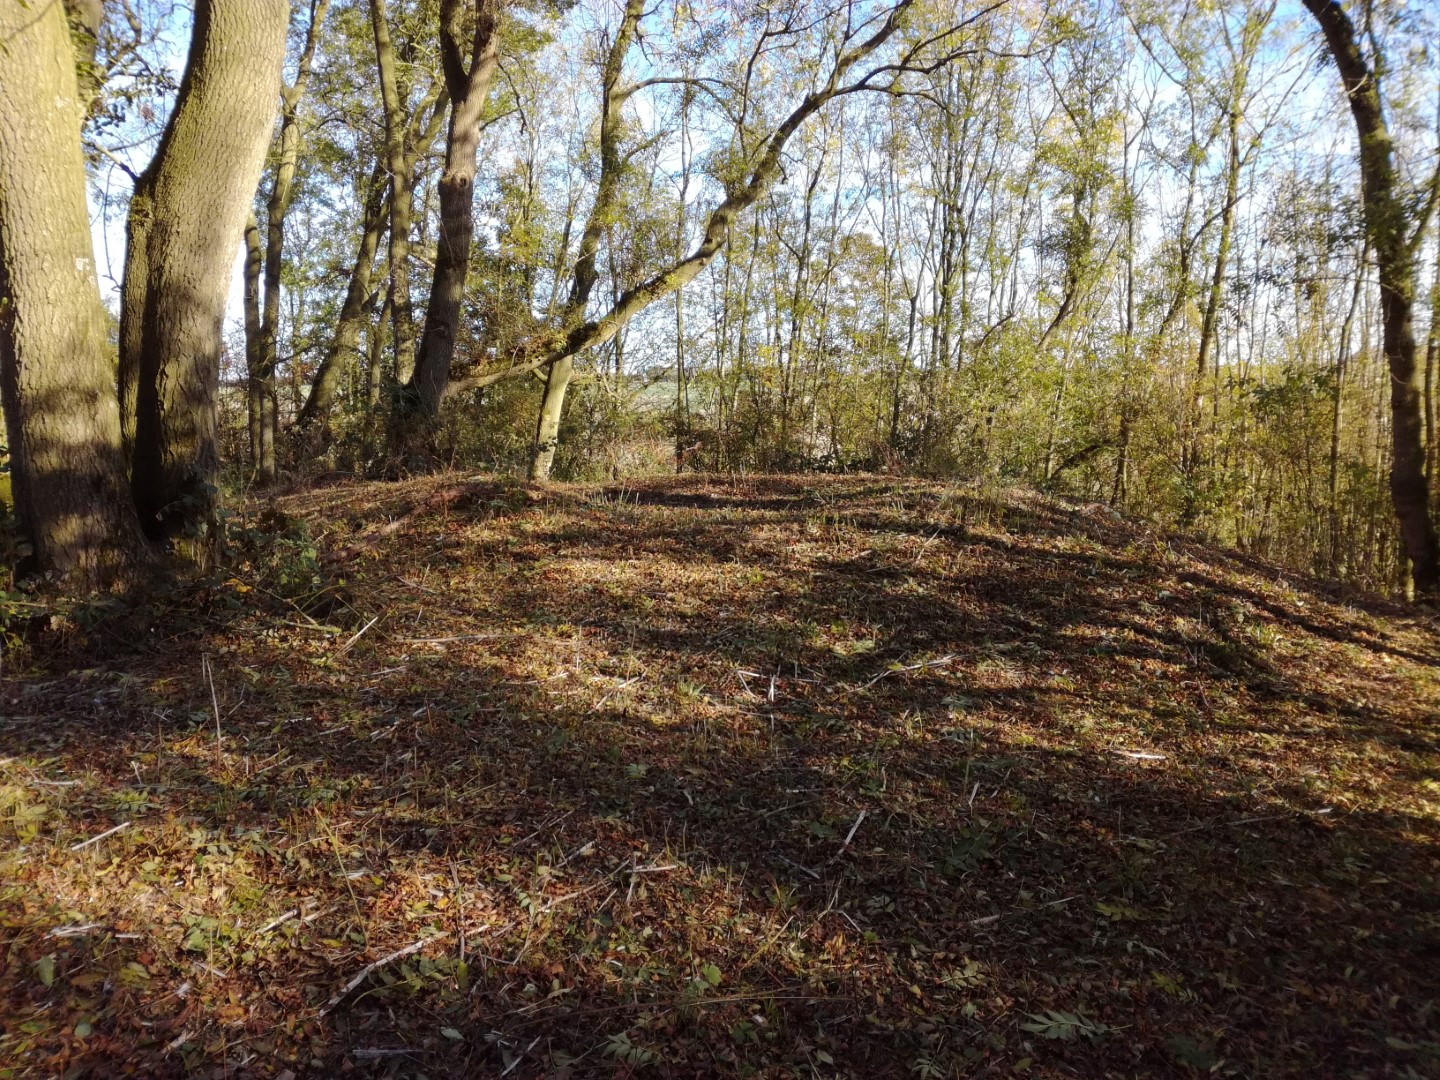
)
(364, 972)
(987, 919)
(909, 667)
(850, 835)
(102, 836)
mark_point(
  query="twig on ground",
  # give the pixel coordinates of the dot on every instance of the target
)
(179, 1041)
(909, 667)
(987, 919)
(364, 972)
(215, 702)
(850, 835)
(102, 836)
(797, 866)
(278, 920)
(75, 931)
(520, 1056)
(354, 638)
(452, 637)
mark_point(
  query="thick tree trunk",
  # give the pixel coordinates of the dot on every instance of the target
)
(468, 90)
(193, 200)
(67, 468)
(313, 423)
(1387, 224)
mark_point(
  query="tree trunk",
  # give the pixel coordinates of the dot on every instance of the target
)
(552, 408)
(401, 195)
(67, 468)
(1386, 223)
(1432, 359)
(469, 91)
(582, 282)
(313, 423)
(277, 205)
(375, 361)
(254, 387)
(190, 205)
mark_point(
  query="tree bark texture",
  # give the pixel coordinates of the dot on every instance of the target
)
(469, 89)
(67, 468)
(186, 219)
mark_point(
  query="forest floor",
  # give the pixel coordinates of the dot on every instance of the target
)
(782, 777)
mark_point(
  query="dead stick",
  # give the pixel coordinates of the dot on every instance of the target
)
(850, 835)
(97, 839)
(339, 995)
(215, 702)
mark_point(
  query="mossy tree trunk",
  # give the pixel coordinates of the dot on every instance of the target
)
(56, 380)
(187, 215)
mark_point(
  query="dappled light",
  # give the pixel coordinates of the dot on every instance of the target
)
(970, 609)
(713, 775)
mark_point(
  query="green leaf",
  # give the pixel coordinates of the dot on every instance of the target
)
(45, 968)
(711, 974)
(1054, 1024)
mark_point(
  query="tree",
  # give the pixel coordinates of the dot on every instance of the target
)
(850, 44)
(67, 470)
(601, 217)
(401, 167)
(469, 89)
(312, 425)
(261, 389)
(187, 215)
(1395, 243)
